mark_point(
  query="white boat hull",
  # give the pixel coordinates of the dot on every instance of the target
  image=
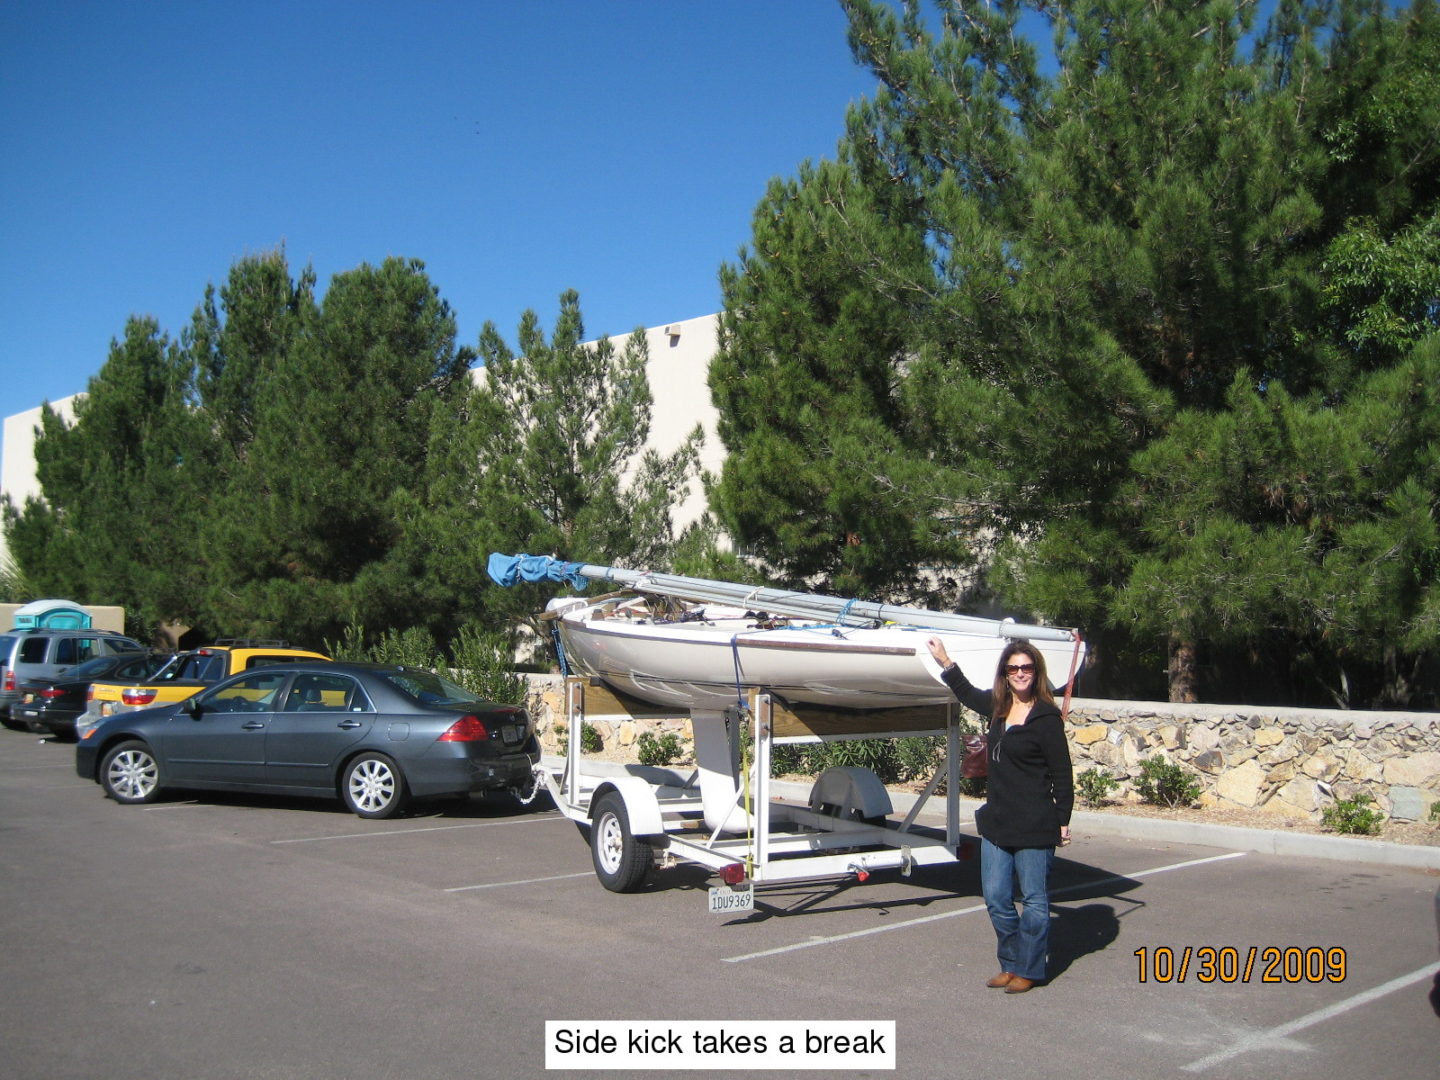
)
(710, 665)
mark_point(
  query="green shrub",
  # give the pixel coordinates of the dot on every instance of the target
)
(1435, 812)
(484, 665)
(1095, 786)
(1163, 783)
(658, 750)
(1352, 815)
(918, 756)
(788, 758)
(971, 786)
(413, 647)
(877, 755)
(914, 757)
(590, 741)
(482, 661)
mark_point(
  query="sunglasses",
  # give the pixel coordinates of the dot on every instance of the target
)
(1018, 669)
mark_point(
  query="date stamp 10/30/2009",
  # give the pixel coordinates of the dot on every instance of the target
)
(1272, 964)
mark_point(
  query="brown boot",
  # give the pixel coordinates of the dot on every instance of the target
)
(1018, 984)
(1003, 979)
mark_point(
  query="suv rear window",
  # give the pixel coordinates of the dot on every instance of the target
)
(69, 650)
(32, 650)
(6, 644)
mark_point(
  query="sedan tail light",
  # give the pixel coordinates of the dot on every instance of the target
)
(139, 695)
(50, 693)
(466, 729)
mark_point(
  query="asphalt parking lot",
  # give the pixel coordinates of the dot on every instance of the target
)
(236, 936)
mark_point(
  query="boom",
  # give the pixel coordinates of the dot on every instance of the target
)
(511, 569)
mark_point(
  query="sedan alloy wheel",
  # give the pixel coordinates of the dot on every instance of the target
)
(131, 774)
(374, 787)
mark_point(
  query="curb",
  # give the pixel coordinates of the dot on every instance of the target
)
(1265, 841)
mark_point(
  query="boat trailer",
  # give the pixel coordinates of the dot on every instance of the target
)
(723, 814)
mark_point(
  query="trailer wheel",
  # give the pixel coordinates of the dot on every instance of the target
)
(621, 859)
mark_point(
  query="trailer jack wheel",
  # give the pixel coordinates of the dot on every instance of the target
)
(621, 859)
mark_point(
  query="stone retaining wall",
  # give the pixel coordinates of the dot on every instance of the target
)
(546, 702)
(1284, 761)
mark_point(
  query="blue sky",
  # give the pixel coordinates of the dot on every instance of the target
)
(518, 148)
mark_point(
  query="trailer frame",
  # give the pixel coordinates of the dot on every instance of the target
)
(724, 815)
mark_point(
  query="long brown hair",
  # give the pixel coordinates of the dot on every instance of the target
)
(1002, 695)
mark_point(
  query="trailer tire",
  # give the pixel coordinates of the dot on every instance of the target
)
(622, 860)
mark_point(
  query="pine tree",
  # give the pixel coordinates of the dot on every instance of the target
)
(1187, 221)
(116, 522)
(545, 453)
(329, 418)
(820, 483)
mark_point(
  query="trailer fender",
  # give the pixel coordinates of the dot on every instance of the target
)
(642, 805)
(850, 788)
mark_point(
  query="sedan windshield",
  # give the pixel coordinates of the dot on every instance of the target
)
(99, 666)
(429, 689)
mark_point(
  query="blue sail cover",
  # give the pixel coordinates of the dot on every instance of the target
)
(510, 570)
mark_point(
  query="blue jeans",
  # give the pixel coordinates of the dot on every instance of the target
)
(1021, 940)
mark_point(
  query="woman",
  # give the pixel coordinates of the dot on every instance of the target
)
(1028, 798)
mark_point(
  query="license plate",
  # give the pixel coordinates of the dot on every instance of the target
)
(725, 899)
(511, 732)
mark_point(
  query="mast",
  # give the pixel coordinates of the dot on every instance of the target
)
(510, 569)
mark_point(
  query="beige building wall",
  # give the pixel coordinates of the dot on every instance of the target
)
(17, 457)
(680, 354)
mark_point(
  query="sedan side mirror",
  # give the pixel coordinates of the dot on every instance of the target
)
(193, 707)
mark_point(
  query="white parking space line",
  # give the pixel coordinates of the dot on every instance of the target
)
(1082, 887)
(524, 881)
(537, 819)
(837, 938)
(1273, 1037)
(11, 767)
(1158, 870)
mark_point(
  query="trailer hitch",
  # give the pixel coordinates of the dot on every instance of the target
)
(526, 798)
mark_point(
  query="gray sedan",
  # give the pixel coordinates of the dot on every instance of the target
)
(374, 736)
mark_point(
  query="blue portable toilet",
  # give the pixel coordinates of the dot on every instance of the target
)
(52, 615)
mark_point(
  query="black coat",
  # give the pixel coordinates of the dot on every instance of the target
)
(1030, 791)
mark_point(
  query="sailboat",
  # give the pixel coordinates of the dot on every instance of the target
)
(698, 644)
(784, 666)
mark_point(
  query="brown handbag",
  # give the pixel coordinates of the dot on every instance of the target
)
(976, 762)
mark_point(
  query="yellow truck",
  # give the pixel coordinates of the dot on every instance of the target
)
(185, 675)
